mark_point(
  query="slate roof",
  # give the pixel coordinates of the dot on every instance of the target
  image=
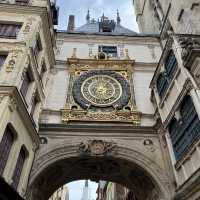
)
(93, 27)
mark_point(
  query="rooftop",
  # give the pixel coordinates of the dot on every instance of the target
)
(103, 26)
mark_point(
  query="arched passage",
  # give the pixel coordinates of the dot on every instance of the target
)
(97, 160)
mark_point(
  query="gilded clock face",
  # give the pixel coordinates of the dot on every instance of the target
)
(101, 88)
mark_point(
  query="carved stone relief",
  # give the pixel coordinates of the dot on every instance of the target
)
(96, 147)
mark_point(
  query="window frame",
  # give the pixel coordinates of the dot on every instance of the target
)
(22, 156)
(37, 47)
(5, 55)
(114, 53)
(187, 129)
(17, 25)
(168, 73)
(5, 147)
(29, 77)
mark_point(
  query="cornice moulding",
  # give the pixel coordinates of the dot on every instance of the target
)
(100, 128)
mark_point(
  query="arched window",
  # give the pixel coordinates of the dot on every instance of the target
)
(18, 168)
(162, 84)
(170, 64)
(5, 147)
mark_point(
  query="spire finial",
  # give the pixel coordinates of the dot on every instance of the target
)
(118, 17)
(88, 16)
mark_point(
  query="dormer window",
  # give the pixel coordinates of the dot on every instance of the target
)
(106, 25)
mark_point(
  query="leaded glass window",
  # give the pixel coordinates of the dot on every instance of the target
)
(26, 82)
(2, 60)
(9, 30)
(5, 147)
(184, 132)
(109, 50)
(18, 168)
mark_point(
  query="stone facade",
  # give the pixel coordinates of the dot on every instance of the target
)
(165, 15)
(19, 110)
(145, 138)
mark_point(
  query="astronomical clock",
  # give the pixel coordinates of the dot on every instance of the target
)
(100, 90)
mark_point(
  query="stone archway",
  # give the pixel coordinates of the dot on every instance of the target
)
(97, 160)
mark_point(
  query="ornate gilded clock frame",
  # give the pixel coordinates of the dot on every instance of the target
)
(74, 112)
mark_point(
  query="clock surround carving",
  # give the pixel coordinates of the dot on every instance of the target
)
(122, 107)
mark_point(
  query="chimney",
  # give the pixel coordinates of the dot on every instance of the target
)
(71, 23)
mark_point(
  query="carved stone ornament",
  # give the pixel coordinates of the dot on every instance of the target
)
(101, 90)
(122, 116)
(96, 147)
(12, 104)
(12, 61)
(188, 44)
(28, 25)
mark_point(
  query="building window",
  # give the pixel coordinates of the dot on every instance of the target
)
(22, 2)
(28, 78)
(186, 130)
(109, 50)
(165, 78)
(43, 71)
(5, 147)
(18, 168)
(170, 64)
(37, 47)
(9, 30)
(35, 101)
(2, 60)
(162, 84)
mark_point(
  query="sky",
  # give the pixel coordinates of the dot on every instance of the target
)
(76, 189)
(97, 8)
